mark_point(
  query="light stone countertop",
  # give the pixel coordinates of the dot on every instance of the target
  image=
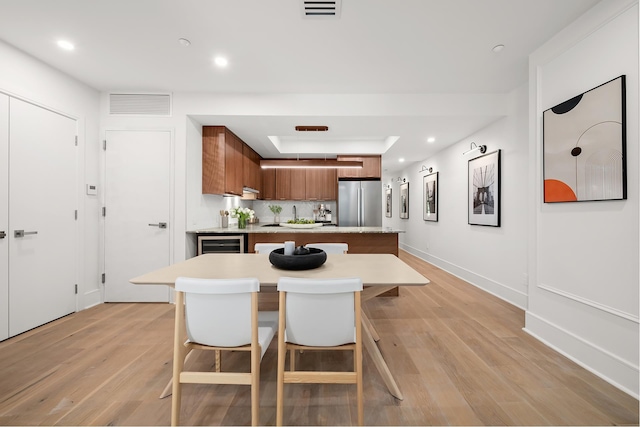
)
(260, 229)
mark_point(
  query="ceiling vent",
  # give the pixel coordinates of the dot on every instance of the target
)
(321, 9)
(140, 104)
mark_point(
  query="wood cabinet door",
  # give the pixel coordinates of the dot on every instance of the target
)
(321, 184)
(268, 191)
(314, 184)
(371, 167)
(213, 160)
(233, 164)
(283, 184)
(298, 184)
(329, 185)
(251, 168)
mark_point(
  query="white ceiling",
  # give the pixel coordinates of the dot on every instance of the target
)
(373, 47)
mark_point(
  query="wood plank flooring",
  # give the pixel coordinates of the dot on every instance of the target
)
(459, 356)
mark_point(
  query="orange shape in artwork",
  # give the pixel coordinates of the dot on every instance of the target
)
(558, 191)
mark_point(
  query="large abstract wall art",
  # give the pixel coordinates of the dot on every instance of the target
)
(584, 146)
(484, 190)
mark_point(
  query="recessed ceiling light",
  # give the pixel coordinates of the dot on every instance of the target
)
(63, 44)
(431, 139)
(498, 48)
(401, 159)
(184, 42)
(221, 61)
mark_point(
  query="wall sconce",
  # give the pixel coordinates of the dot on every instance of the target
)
(473, 147)
(425, 169)
(401, 179)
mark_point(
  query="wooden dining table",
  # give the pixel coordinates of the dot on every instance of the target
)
(379, 273)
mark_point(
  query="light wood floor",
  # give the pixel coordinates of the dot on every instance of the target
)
(458, 354)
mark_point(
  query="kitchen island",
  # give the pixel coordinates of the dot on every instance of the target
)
(361, 240)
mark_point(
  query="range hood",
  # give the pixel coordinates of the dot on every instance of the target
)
(249, 193)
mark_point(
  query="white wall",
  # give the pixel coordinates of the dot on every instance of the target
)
(584, 257)
(25, 77)
(492, 258)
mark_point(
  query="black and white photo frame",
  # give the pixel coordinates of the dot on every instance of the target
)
(388, 203)
(404, 200)
(484, 190)
(430, 197)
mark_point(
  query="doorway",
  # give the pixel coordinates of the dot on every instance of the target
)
(137, 227)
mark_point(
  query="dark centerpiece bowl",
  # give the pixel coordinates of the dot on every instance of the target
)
(313, 259)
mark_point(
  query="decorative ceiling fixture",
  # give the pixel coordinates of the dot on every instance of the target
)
(312, 128)
(321, 8)
(473, 147)
(310, 164)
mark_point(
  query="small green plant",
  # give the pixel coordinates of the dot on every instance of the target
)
(276, 209)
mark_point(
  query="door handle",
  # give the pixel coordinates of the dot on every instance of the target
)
(22, 233)
(159, 225)
(2, 234)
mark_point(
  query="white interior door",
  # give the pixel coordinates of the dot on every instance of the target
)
(4, 217)
(137, 200)
(42, 203)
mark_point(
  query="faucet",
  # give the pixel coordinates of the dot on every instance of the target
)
(295, 213)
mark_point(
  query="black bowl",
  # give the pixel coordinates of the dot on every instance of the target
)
(314, 259)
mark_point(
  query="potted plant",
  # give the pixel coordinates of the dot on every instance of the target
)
(276, 209)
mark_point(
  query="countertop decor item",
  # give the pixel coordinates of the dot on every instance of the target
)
(302, 258)
(275, 209)
(243, 214)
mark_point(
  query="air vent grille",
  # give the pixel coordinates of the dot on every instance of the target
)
(143, 104)
(321, 9)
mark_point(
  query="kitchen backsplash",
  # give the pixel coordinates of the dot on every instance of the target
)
(303, 208)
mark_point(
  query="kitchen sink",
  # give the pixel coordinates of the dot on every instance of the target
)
(271, 225)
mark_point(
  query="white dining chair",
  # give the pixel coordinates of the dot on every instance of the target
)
(319, 314)
(330, 248)
(220, 315)
(266, 248)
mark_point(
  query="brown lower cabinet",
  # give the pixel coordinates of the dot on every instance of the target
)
(359, 243)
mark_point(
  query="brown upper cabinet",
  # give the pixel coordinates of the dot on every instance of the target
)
(321, 184)
(251, 168)
(268, 191)
(290, 184)
(371, 167)
(222, 171)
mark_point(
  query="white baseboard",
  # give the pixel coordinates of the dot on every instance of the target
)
(91, 298)
(504, 292)
(599, 361)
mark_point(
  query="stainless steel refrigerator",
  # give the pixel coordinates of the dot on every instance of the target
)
(359, 203)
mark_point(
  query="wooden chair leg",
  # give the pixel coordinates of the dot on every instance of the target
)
(292, 360)
(218, 360)
(282, 352)
(255, 388)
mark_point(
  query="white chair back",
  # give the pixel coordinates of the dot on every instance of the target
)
(218, 311)
(320, 312)
(266, 248)
(331, 248)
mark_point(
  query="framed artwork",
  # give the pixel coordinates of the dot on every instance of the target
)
(430, 199)
(584, 146)
(484, 190)
(388, 202)
(404, 200)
